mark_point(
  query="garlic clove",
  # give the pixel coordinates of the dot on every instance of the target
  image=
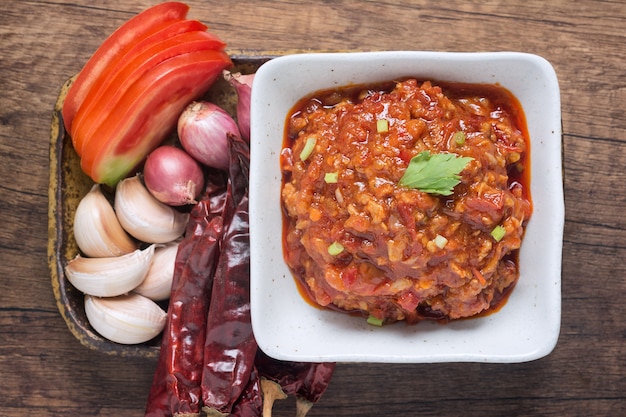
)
(111, 276)
(97, 230)
(157, 285)
(145, 217)
(127, 319)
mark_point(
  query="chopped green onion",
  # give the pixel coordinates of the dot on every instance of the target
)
(309, 146)
(374, 321)
(382, 125)
(335, 248)
(459, 137)
(498, 233)
(331, 177)
(440, 241)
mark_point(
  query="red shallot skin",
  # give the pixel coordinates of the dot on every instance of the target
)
(172, 176)
(203, 130)
(243, 87)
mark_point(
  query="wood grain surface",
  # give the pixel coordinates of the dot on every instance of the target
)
(45, 371)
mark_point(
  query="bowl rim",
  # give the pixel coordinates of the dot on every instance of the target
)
(294, 341)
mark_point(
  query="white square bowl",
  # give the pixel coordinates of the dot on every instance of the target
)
(287, 327)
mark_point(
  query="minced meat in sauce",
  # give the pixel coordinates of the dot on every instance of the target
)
(358, 241)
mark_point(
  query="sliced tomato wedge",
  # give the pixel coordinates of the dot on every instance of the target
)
(97, 107)
(164, 31)
(147, 113)
(114, 47)
(170, 29)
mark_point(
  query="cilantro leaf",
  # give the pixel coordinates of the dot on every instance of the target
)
(434, 174)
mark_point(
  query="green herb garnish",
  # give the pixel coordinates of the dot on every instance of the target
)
(434, 174)
(382, 125)
(309, 146)
(331, 177)
(498, 233)
(374, 321)
(335, 248)
(459, 137)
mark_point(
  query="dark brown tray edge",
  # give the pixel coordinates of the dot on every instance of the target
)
(57, 246)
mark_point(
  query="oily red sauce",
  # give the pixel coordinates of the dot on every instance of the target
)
(392, 264)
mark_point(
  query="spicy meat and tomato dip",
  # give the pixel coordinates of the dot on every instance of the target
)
(406, 200)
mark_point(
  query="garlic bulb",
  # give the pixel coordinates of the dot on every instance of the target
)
(145, 217)
(127, 319)
(157, 285)
(97, 230)
(111, 276)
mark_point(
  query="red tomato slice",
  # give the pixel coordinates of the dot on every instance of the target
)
(148, 112)
(169, 30)
(164, 31)
(97, 106)
(114, 47)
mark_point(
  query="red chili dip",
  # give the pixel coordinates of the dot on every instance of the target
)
(359, 242)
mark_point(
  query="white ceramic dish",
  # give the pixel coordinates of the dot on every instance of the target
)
(287, 327)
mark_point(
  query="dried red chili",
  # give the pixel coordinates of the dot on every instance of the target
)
(250, 402)
(230, 346)
(176, 383)
(315, 379)
(307, 381)
(224, 374)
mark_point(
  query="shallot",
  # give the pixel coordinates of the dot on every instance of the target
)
(243, 88)
(203, 130)
(172, 176)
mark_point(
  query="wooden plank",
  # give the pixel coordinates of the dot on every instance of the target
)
(46, 371)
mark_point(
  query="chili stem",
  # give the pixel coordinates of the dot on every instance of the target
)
(302, 406)
(271, 392)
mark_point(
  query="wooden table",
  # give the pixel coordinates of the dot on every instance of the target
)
(45, 371)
